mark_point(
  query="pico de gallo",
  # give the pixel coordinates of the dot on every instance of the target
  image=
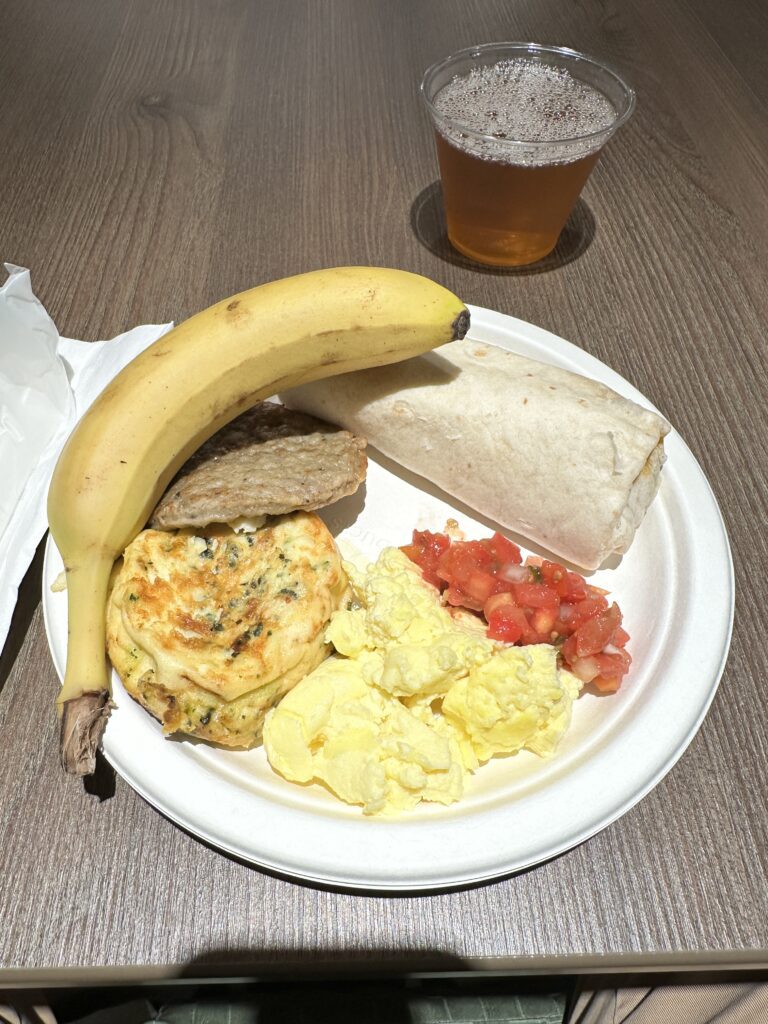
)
(528, 602)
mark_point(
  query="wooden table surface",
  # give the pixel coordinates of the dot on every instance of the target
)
(159, 156)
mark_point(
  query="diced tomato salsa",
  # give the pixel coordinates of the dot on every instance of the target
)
(531, 602)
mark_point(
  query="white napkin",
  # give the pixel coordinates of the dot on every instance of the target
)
(46, 384)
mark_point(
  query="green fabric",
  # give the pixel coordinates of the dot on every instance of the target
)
(495, 1001)
(380, 1006)
(127, 1013)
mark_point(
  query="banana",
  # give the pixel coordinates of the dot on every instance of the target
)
(159, 409)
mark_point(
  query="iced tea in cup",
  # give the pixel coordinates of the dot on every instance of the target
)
(518, 128)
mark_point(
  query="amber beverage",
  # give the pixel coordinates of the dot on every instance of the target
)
(503, 213)
(518, 128)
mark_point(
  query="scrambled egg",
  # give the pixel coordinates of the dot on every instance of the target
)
(417, 699)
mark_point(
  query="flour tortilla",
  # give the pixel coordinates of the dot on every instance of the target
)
(544, 452)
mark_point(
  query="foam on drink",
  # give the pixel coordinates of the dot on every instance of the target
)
(524, 101)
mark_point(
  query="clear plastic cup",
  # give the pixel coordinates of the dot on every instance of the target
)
(518, 129)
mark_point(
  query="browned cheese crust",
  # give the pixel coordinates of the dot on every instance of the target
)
(209, 632)
(268, 461)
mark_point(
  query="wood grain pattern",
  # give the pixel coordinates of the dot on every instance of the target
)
(158, 156)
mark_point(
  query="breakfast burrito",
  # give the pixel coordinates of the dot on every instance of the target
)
(558, 458)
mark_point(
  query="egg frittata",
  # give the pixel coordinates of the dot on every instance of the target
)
(208, 632)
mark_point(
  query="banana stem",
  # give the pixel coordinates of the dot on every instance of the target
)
(82, 724)
(84, 701)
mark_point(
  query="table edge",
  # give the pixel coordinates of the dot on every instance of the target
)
(727, 961)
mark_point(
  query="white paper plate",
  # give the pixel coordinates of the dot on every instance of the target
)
(675, 588)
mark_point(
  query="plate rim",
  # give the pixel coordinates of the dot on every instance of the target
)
(588, 365)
